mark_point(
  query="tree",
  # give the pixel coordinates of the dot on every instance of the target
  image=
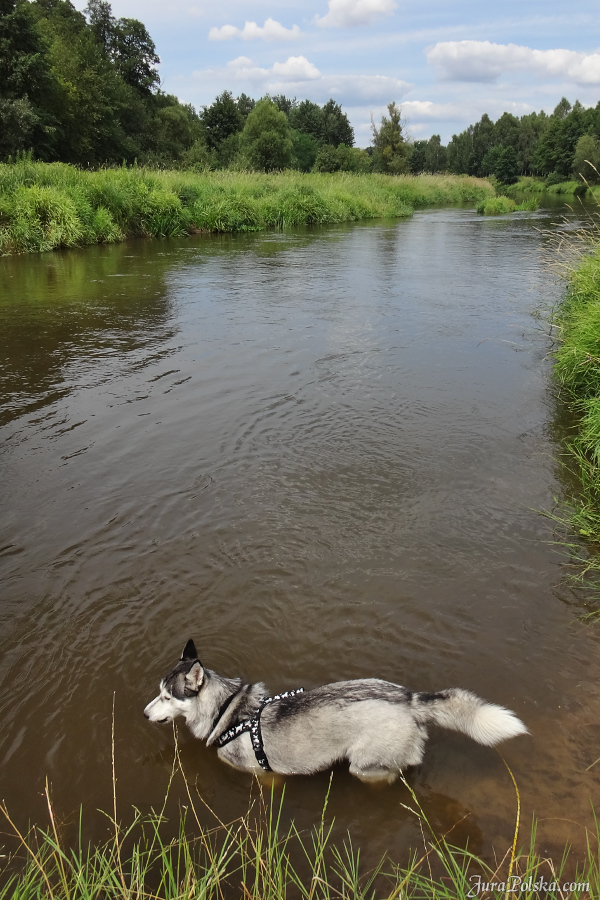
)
(24, 78)
(266, 140)
(221, 119)
(245, 105)
(586, 163)
(134, 54)
(304, 151)
(416, 161)
(502, 162)
(102, 22)
(336, 126)
(283, 103)
(435, 155)
(307, 117)
(327, 159)
(390, 151)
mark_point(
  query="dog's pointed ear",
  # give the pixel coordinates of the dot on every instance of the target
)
(189, 651)
(195, 677)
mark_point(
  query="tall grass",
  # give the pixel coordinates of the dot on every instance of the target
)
(529, 185)
(46, 206)
(577, 372)
(257, 858)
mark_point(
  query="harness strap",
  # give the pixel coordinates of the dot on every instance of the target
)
(253, 726)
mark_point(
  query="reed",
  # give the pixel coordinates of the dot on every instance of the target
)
(257, 858)
(45, 206)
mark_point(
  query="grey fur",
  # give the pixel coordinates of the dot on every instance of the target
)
(378, 727)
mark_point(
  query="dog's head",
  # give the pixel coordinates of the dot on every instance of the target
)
(178, 689)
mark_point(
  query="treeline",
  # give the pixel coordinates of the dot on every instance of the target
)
(555, 147)
(83, 88)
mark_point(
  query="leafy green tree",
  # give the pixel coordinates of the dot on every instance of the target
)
(245, 105)
(461, 158)
(353, 159)
(501, 162)
(336, 126)
(266, 140)
(481, 140)
(562, 109)
(304, 151)
(391, 152)
(416, 161)
(283, 103)
(586, 163)
(102, 22)
(135, 56)
(435, 155)
(307, 117)
(24, 79)
(176, 128)
(327, 160)
(506, 130)
(221, 119)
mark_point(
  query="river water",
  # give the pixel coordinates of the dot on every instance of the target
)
(320, 454)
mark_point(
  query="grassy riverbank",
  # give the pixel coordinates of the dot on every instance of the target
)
(257, 858)
(577, 370)
(529, 185)
(44, 206)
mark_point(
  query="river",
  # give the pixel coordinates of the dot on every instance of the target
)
(321, 454)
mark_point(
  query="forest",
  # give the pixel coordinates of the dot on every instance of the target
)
(84, 88)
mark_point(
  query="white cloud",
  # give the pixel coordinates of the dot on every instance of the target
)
(295, 68)
(484, 61)
(348, 13)
(270, 31)
(298, 74)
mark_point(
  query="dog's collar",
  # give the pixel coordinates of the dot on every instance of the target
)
(253, 726)
(224, 707)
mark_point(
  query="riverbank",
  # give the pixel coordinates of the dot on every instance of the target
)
(537, 186)
(257, 857)
(577, 370)
(46, 206)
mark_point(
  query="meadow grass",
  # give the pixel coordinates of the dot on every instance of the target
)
(577, 372)
(45, 206)
(256, 857)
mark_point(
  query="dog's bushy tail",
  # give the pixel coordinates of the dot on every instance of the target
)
(463, 711)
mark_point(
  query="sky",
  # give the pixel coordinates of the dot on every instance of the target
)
(446, 63)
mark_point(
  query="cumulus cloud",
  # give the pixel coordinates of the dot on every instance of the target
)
(348, 13)
(296, 69)
(298, 74)
(484, 62)
(270, 31)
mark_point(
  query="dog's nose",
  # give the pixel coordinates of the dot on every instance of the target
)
(147, 715)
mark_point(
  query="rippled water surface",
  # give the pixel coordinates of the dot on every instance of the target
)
(318, 453)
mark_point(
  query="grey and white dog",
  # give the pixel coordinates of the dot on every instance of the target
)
(380, 728)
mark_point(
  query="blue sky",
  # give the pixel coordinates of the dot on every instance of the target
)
(445, 62)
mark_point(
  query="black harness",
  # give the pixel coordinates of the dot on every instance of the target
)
(253, 726)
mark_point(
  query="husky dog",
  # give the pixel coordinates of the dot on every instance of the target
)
(380, 728)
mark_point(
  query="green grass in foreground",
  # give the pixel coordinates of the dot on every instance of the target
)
(577, 370)
(44, 206)
(257, 858)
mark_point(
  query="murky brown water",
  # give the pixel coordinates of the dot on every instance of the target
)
(320, 455)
